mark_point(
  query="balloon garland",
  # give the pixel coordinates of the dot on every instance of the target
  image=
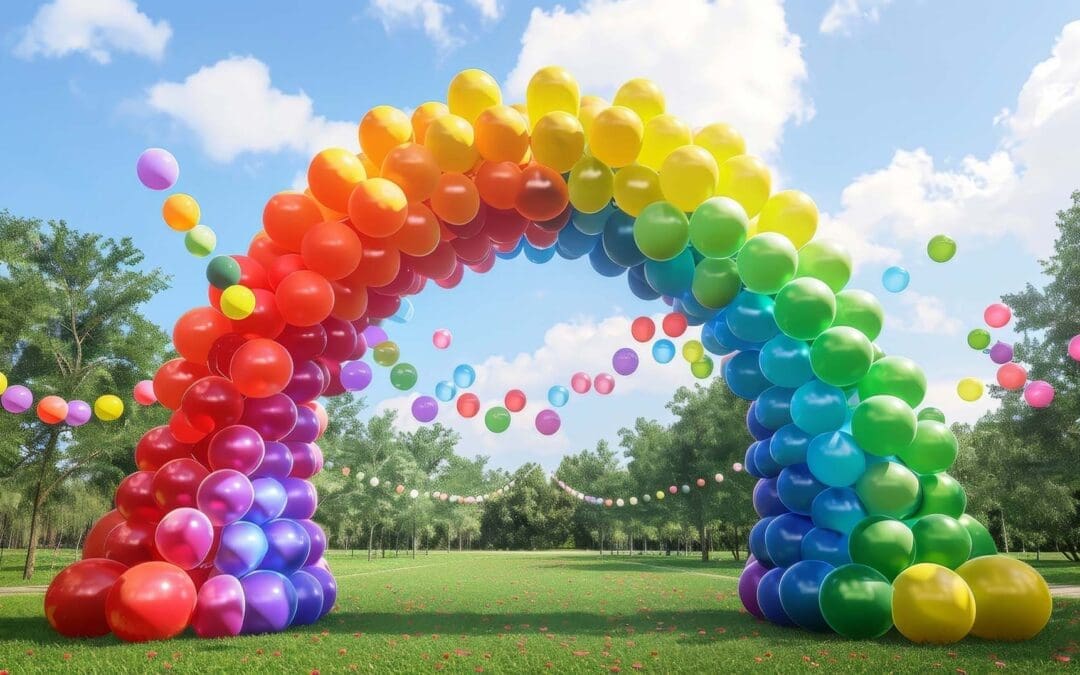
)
(634, 500)
(414, 493)
(17, 399)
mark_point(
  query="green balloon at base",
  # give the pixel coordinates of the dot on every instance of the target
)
(883, 543)
(981, 541)
(661, 231)
(856, 602)
(827, 261)
(889, 489)
(941, 540)
(941, 493)
(883, 425)
(841, 356)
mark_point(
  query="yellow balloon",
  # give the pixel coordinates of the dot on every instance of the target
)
(422, 116)
(932, 604)
(3, 383)
(108, 407)
(689, 176)
(370, 170)
(970, 389)
(663, 134)
(792, 214)
(1012, 601)
(237, 302)
(616, 136)
(590, 108)
(181, 212)
(642, 96)
(591, 185)
(659, 494)
(752, 228)
(558, 140)
(693, 351)
(472, 92)
(550, 89)
(721, 140)
(745, 179)
(451, 139)
(332, 176)
(635, 188)
(502, 134)
(382, 129)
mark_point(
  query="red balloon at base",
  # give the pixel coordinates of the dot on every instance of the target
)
(76, 599)
(151, 601)
(94, 546)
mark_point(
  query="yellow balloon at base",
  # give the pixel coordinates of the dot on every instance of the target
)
(423, 115)
(181, 212)
(108, 407)
(932, 604)
(591, 185)
(558, 140)
(745, 179)
(636, 187)
(663, 134)
(970, 389)
(642, 96)
(721, 140)
(688, 177)
(502, 134)
(792, 214)
(616, 136)
(1012, 601)
(550, 89)
(237, 302)
(471, 92)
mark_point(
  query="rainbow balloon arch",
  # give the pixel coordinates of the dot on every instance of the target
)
(861, 528)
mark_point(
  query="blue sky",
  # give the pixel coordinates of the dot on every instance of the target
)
(901, 119)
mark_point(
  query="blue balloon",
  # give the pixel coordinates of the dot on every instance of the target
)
(764, 463)
(827, 545)
(788, 445)
(288, 545)
(757, 542)
(835, 459)
(691, 319)
(573, 243)
(749, 462)
(786, 361)
(768, 597)
(538, 255)
(618, 240)
(663, 351)
(689, 305)
(895, 279)
(603, 264)
(725, 337)
(592, 223)
(671, 277)
(838, 509)
(243, 545)
(558, 396)
(797, 488)
(799, 590)
(464, 376)
(756, 429)
(818, 407)
(270, 499)
(638, 284)
(766, 500)
(709, 341)
(743, 375)
(445, 391)
(750, 317)
(510, 255)
(309, 598)
(783, 538)
(773, 407)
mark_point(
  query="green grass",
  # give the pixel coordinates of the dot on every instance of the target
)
(520, 612)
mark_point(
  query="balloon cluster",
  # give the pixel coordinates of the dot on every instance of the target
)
(414, 493)
(634, 500)
(17, 399)
(674, 324)
(1011, 376)
(941, 248)
(158, 169)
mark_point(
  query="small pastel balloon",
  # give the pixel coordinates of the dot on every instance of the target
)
(997, 315)
(1001, 352)
(157, 169)
(355, 375)
(581, 383)
(693, 351)
(978, 339)
(497, 419)
(237, 302)
(941, 248)
(374, 335)
(737, 467)
(79, 413)
(625, 361)
(180, 212)
(403, 376)
(702, 368)
(17, 399)
(144, 392)
(548, 422)
(1039, 394)
(558, 396)
(604, 383)
(970, 389)
(515, 400)
(386, 353)
(1074, 348)
(108, 407)
(52, 410)
(464, 376)
(663, 351)
(895, 279)
(200, 241)
(445, 391)
(441, 338)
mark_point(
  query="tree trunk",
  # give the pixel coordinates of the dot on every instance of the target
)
(370, 540)
(39, 498)
(1004, 532)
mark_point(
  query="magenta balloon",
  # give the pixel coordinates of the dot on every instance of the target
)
(219, 609)
(373, 335)
(307, 426)
(157, 169)
(273, 417)
(17, 399)
(581, 383)
(321, 571)
(184, 537)
(79, 413)
(301, 498)
(236, 447)
(303, 343)
(307, 383)
(277, 461)
(340, 339)
(355, 375)
(748, 585)
(1074, 348)
(548, 422)
(225, 496)
(425, 409)
(1039, 394)
(269, 500)
(1001, 352)
(307, 459)
(625, 361)
(318, 540)
(269, 602)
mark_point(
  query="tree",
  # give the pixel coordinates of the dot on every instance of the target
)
(530, 516)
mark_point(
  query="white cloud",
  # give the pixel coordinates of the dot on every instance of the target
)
(430, 15)
(844, 15)
(727, 61)
(233, 108)
(926, 315)
(96, 27)
(491, 10)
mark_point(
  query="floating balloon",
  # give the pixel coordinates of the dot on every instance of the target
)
(157, 169)
(558, 396)
(604, 383)
(624, 362)
(1012, 376)
(997, 315)
(548, 422)
(425, 409)
(970, 389)
(978, 339)
(1001, 352)
(355, 375)
(643, 329)
(1039, 394)
(895, 279)
(941, 248)
(663, 351)
(441, 338)
(464, 376)
(581, 383)
(497, 419)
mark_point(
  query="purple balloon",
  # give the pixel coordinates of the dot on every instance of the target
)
(309, 598)
(273, 417)
(548, 422)
(225, 496)
(79, 413)
(269, 602)
(307, 459)
(424, 408)
(269, 500)
(748, 586)
(1001, 352)
(157, 169)
(219, 609)
(307, 426)
(243, 546)
(767, 499)
(236, 447)
(302, 498)
(373, 335)
(17, 399)
(355, 375)
(318, 540)
(625, 361)
(307, 383)
(321, 571)
(288, 545)
(277, 461)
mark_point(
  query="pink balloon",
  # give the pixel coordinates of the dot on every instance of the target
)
(219, 609)
(441, 338)
(997, 315)
(673, 489)
(1039, 394)
(548, 422)
(144, 393)
(184, 537)
(236, 447)
(580, 383)
(1074, 348)
(604, 383)
(737, 467)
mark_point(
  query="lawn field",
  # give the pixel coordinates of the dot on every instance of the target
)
(528, 612)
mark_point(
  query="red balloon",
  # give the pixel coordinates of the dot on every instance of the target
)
(265, 321)
(331, 249)
(557, 223)
(175, 484)
(401, 283)
(94, 544)
(439, 264)
(221, 354)
(200, 574)
(288, 216)
(472, 250)
(305, 298)
(304, 343)
(212, 403)
(486, 264)
(468, 405)
(543, 194)
(261, 368)
(643, 329)
(382, 306)
(340, 339)
(135, 498)
(75, 601)
(361, 346)
(131, 542)
(196, 330)
(454, 279)
(264, 250)
(333, 376)
(674, 324)
(506, 226)
(514, 400)
(173, 378)
(473, 227)
(151, 601)
(157, 447)
(379, 263)
(350, 302)
(539, 237)
(181, 429)
(283, 267)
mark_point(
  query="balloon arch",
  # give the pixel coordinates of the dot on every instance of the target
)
(861, 528)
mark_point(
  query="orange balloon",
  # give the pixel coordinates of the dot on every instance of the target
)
(52, 410)
(420, 234)
(370, 167)
(288, 216)
(543, 194)
(332, 175)
(379, 264)
(173, 378)
(195, 331)
(350, 301)
(331, 249)
(413, 168)
(305, 298)
(456, 199)
(423, 115)
(328, 213)
(378, 207)
(499, 184)
(502, 134)
(261, 368)
(382, 128)
(265, 250)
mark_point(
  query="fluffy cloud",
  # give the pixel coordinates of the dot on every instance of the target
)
(233, 109)
(843, 16)
(728, 61)
(433, 17)
(926, 315)
(942, 395)
(96, 27)
(489, 9)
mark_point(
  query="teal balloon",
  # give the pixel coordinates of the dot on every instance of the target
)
(826, 545)
(835, 459)
(618, 240)
(789, 444)
(671, 277)
(785, 361)
(837, 509)
(445, 391)
(712, 344)
(773, 409)
(464, 376)
(558, 396)
(895, 279)
(744, 377)
(817, 407)
(663, 351)
(592, 223)
(797, 488)
(750, 317)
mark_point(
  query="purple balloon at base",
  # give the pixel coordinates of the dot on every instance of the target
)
(79, 413)
(301, 498)
(748, 586)
(307, 383)
(318, 540)
(243, 546)
(157, 169)
(219, 609)
(17, 399)
(548, 422)
(767, 499)
(1001, 353)
(273, 417)
(225, 496)
(306, 429)
(270, 602)
(625, 361)
(288, 545)
(425, 408)
(309, 598)
(373, 335)
(321, 571)
(355, 375)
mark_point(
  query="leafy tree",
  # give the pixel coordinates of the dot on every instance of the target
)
(531, 516)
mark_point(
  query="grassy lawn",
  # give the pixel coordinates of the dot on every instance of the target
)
(521, 612)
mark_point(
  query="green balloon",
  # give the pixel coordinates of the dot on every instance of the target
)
(403, 376)
(941, 493)
(941, 540)
(979, 339)
(841, 356)
(386, 353)
(933, 414)
(897, 376)
(497, 419)
(661, 231)
(933, 449)
(827, 261)
(941, 248)
(200, 241)
(879, 353)
(767, 262)
(860, 310)
(888, 489)
(223, 271)
(805, 307)
(883, 543)
(883, 425)
(718, 227)
(716, 282)
(856, 602)
(702, 368)
(981, 541)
